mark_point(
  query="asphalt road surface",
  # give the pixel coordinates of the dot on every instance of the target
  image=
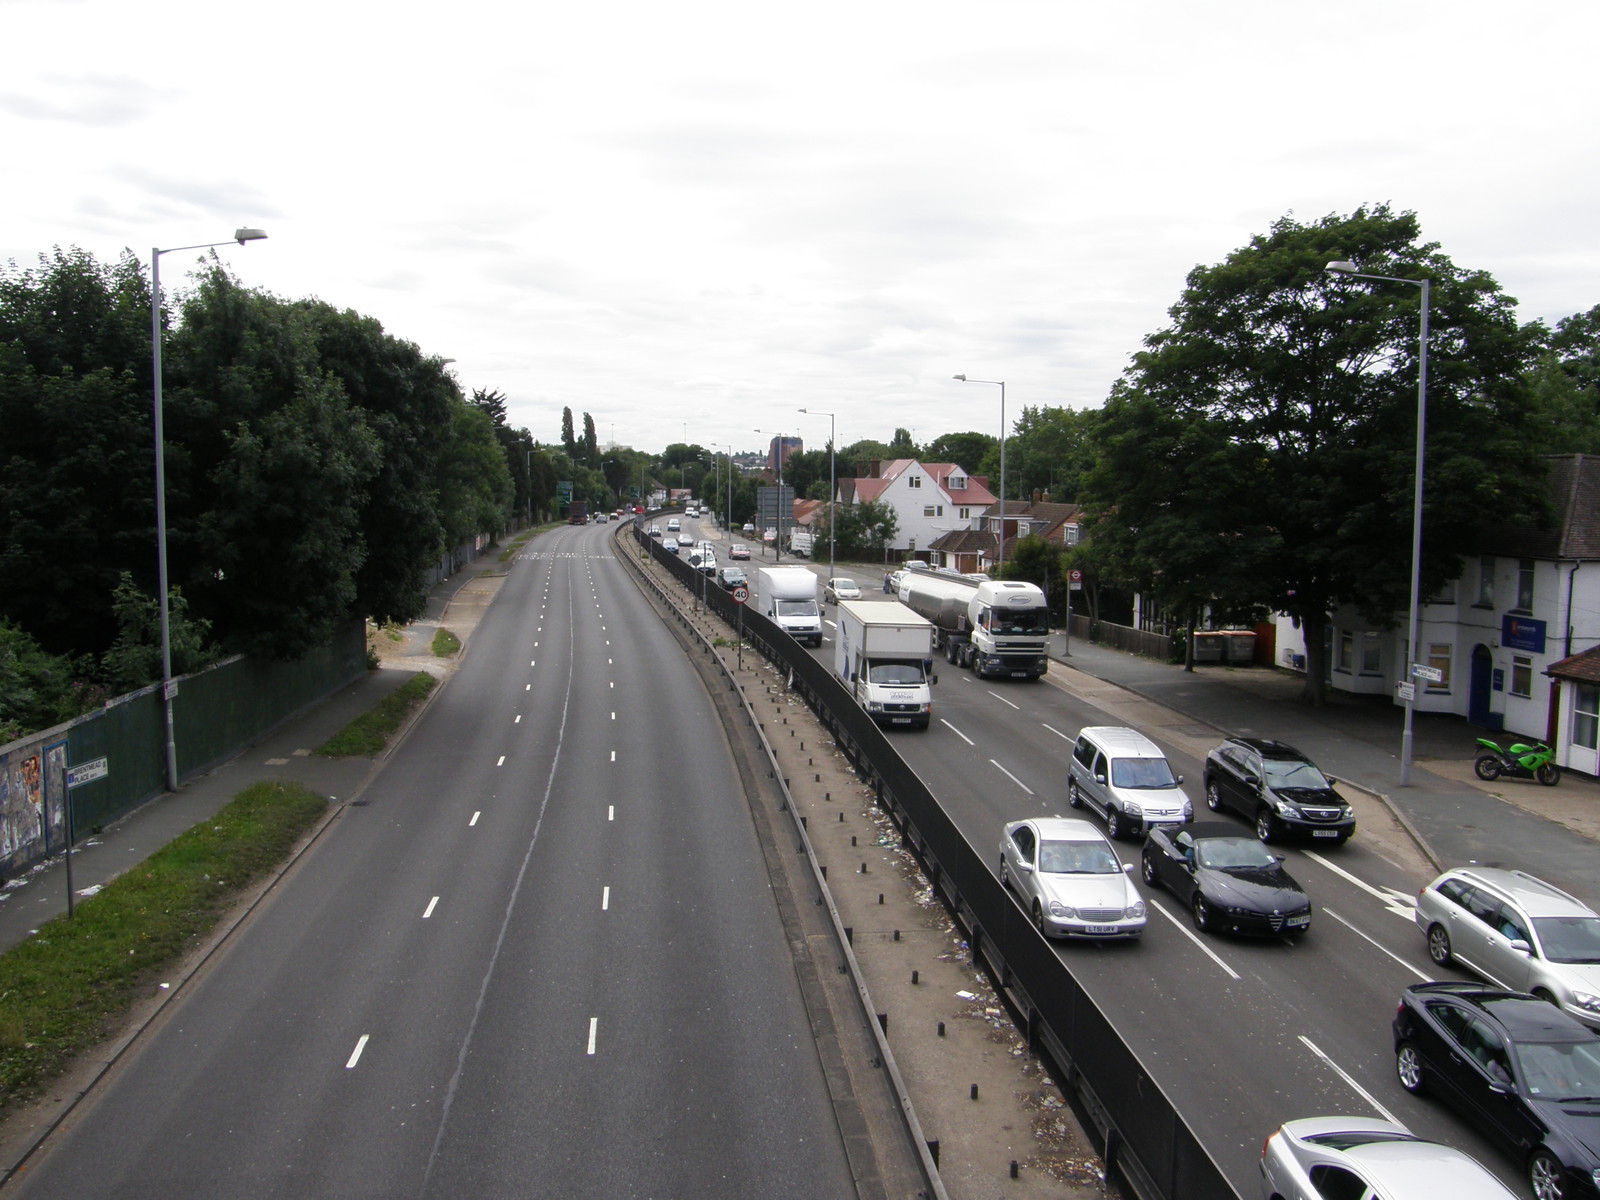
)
(541, 958)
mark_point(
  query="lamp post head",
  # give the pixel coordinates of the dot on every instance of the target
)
(963, 378)
(249, 235)
(1342, 266)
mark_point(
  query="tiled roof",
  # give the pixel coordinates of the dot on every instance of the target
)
(964, 541)
(1584, 667)
(1574, 483)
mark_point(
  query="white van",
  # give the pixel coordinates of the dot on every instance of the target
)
(1124, 777)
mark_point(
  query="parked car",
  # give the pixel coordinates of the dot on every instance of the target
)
(1278, 789)
(1070, 880)
(738, 551)
(747, 528)
(732, 577)
(839, 588)
(1518, 932)
(1123, 776)
(1523, 1071)
(1230, 882)
(891, 581)
(1360, 1157)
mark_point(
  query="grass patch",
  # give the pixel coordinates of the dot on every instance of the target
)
(369, 733)
(65, 988)
(445, 643)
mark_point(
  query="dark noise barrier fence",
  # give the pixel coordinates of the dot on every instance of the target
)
(1143, 1140)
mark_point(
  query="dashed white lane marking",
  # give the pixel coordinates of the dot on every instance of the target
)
(1012, 777)
(502, 761)
(355, 1057)
(1003, 700)
(957, 732)
(1399, 903)
(594, 1028)
(518, 720)
(1338, 1070)
(474, 820)
(611, 812)
(428, 912)
(1328, 912)
(1065, 737)
(613, 756)
(605, 899)
(1184, 929)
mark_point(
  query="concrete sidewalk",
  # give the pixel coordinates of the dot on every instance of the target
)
(1553, 832)
(285, 753)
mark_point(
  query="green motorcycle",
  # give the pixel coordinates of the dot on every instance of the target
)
(1520, 760)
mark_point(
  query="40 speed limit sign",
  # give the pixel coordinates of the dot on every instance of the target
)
(741, 594)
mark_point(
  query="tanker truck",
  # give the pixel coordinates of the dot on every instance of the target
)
(996, 627)
(882, 653)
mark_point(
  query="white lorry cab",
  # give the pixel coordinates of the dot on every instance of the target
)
(883, 652)
(789, 599)
(997, 627)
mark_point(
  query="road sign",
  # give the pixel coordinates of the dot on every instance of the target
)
(1431, 674)
(741, 594)
(1405, 692)
(95, 768)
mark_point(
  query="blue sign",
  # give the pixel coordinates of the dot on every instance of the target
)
(1522, 633)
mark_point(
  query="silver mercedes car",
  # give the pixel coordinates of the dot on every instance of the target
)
(1069, 878)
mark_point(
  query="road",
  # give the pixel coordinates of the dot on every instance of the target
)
(541, 957)
(1243, 1034)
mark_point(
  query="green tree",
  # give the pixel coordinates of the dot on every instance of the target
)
(591, 443)
(37, 689)
(134, 659)
(902, 445)
(1037, 561)
(1050, 450)
(475, 490)
(966, 450)
(1259, 450)
(865, 528)
(569, 439)
(1566, 384)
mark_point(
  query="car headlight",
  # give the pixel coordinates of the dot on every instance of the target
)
(1285, 809)
(1063, 911)
(874, 706)
(1346, 812)
(1188, 809)
(1132, 809)
(1587, 1001)
(1136, 910)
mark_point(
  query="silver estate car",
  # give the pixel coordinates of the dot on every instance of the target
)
(1365, 1157)
(1518, 932)
(1070, 880)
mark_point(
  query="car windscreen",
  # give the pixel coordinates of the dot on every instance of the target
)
(1141, 773)
(796, 608)
(1078, 858)
(1561, 1070)
(1025, 621)
(1569, 939)
(901, 673)
(1283, 773)
(1228, 854)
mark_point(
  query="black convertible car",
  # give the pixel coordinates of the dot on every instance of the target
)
(1231, 882)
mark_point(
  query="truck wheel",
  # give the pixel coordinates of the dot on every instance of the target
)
(950, 651)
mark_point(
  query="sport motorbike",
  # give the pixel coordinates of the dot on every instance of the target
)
(1520, 760)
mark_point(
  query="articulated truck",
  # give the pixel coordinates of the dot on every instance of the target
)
(789, 599)
(996, 627)
(883, 652)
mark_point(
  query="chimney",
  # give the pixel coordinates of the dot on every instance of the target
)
(873, 467)
(1036, 495)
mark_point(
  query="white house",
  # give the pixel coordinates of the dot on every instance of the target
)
(928, 499)
(1507, 639)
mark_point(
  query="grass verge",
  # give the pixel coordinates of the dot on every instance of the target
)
(369, 733)
(445, 643)
(64, 989)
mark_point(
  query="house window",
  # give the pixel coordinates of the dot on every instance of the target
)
(1439, 660)
(1486, 581)
(1371, 653)
(914, 481)
(966, 514)
(929, 510)
(1586, 716)
(1521, 675)
(1347, 650)
(958, 483)
(1525, 584)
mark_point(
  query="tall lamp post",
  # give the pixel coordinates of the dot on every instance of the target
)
(783, 444)
(833, 485)
(168, 688)
(1345, 267)
(1000, 558)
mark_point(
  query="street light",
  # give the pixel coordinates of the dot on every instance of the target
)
(1345, 267)
(168, 688)
(832, 482)
(1001, 384)
(777, 549)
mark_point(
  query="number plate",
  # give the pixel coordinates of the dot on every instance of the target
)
(1099, 928)
(1302, 919)
(1324, 833)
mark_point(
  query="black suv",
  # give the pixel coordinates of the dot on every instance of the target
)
(1517, 1067)
(1278, 788)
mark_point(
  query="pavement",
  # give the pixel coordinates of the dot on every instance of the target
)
(1553, 832)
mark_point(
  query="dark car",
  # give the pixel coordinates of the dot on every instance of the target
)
(1231, 883)
(1277, 788)
(1516, 1066)
(732, 577)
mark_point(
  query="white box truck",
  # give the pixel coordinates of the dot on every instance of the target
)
(996, 627)
(883, 652)
(789, 599)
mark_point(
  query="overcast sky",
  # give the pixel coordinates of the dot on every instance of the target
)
(693, 218)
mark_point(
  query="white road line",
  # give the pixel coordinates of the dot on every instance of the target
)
(518, 720)
(361, 1045)
(1365, 1095)
(605, 899)
(613, 756)
(474, 820)
(1399, 903)
(1183, 928)
(1003, 700)
(527, 687)
(1328, 912)
(502, 761)
(611, 812)
(1065, 737)
(593, 1029)
(428, 912)
(1013, 778)
(957, 732)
